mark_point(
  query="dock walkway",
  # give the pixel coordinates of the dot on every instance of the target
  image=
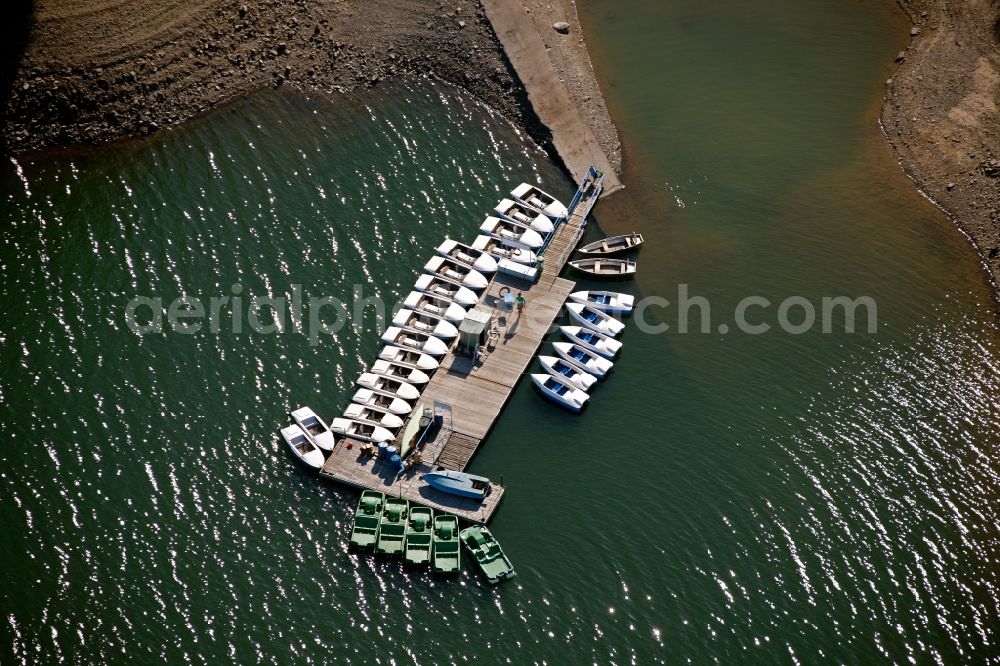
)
(547, 93)
(471, 392)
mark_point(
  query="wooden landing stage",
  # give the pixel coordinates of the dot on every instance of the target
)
(470, 393)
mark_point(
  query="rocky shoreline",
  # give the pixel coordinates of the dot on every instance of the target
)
(941, 114)
(82, 81)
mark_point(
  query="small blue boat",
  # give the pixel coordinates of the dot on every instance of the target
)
(459, 483)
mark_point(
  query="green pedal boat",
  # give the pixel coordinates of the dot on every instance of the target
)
(366, 520)
(488, 553)
(417, 549)
(392, 527)
(446, 556)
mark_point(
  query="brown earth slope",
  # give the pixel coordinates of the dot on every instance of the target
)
(942, 113)
(97, 70)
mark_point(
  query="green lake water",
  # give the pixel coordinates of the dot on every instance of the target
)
(772, 498)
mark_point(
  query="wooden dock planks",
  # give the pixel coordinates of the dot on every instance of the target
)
(475, 393)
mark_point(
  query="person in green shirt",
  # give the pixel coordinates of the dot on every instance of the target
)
(519, 302)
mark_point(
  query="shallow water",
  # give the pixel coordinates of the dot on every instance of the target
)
(725, 496)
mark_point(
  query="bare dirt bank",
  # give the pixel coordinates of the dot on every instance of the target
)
(99, 70)
(942, 113)
(94, 71)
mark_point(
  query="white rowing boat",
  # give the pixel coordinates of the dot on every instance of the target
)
(375, 415)
(467, 255)
(560, 390)
(571, 373)
(511, 231)
(534, 197)
(595, 319)
(302, 448)
(585, 359)
(504, 249)
(398, 371)
(431, 284)
(425, 323)
(365, 432)
(451, 270)
(516, 212)
(410, 339)
(392, 404)
(608, 301)
(592, 340)
(408, 357)
(315, 428)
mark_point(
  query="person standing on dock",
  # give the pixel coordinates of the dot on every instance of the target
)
(519, 301)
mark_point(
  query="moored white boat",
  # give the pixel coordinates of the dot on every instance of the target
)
(408, 357)
(534, 197)
(467, 255)
(560, 390)
(592, 340)
(435, 305)
(315, 428)
(425, 323)
(511, 231)
(375, 415)
(585, 359)
(410, 339)
(432, 284)
(302, 448)
(605, 268)
(516, 212)
(449, 269)
(505, 249)
(594, 319)
(608, 301)
(392, 404)
(366, 432)
(573, 374)
(613, 245)
(388, 386)
(398, 371)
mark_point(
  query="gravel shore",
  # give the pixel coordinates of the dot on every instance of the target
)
(942, 114)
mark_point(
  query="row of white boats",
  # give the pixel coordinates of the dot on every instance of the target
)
(423, 330)
(589, 347)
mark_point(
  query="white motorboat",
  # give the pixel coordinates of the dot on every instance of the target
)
(573, 374)
(592, 340)
(532, 196)
(431, 284)
(315, 428)
(593, 318)
(516, 212)
(410, 339)
(425, 323)
(504, 249)
(302, 448)
(511, 231)
(608, 301)
(398, 371)
(467, 255)
(413, 359)
(375, 415)
(393, 405)
(585, 359)
(366, 432)
(451, 270)
(435, 305)
(560, 390)
(388, 386)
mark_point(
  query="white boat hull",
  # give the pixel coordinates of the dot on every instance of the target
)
(606, 301)
(571, 373)
(560, 391)
(594, 319)
(533, 197)
(583, 358)
(302, 448)
(525, 215)
(457, 273)
(592, 340)
(437, 306)
(387, 386)
(409, 357)
(401, 372)
(431, 284)
(408, 339)
(315, 429)
(467, 255)
(374, 415)
(510, 250)
(509, 231)
(390, 403)
(419, 322)
(365, 432)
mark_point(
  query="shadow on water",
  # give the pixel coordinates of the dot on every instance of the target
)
(13, 42)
